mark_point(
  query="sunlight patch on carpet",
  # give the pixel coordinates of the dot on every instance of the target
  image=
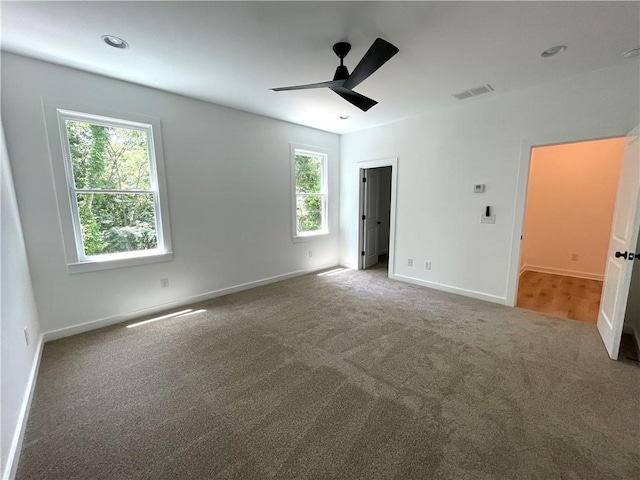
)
(180, 314)
(330, 273)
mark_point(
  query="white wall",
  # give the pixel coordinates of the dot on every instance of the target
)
(441, 156)
(18, 361)
(228, 181)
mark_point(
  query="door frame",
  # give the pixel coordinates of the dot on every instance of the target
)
(362, 166)
(526, 148)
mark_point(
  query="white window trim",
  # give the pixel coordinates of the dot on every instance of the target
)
(56, 113)
(311, 150)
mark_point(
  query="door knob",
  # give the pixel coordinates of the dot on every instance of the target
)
(628, 255)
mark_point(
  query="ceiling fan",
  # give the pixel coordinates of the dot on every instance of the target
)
(378, 54)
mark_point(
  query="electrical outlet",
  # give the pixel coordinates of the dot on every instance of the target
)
(310, 253)
(574, 257)
(26, 335)
(410, 262)
(489, 219)
(427, 265)
(164, 283)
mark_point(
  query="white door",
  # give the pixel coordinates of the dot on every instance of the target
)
(371, 217)
(624, 235)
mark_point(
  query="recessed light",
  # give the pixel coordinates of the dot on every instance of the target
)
(115, 42)
(633, 53)
(550, 52)
(344, 117)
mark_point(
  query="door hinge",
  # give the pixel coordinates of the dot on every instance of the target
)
(520, 237)
(362, 253)
(364, 180)
(364, 217)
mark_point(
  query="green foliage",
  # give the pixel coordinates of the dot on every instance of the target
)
(309, 209)
(140, 236)
(108, 158)
(92, 237)
(309, 213)
(308, 174)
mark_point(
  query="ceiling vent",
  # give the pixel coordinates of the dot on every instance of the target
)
(474, 92)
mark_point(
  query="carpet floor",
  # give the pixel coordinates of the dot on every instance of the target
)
(347, 375)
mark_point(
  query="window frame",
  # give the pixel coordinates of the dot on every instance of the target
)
(56, 116)
(295, 149)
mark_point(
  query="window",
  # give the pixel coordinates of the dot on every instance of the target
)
(114, 209)
(310, 201)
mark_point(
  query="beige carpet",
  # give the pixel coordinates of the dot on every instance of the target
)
(342, 376)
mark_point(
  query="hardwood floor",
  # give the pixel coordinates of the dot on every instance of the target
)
(560, 296)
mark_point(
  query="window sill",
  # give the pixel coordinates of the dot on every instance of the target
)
(309, 237)
(95, 265)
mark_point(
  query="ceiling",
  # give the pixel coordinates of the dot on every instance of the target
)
(231, 53)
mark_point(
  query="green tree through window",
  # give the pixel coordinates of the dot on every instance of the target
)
(112, 180)
(310, 192)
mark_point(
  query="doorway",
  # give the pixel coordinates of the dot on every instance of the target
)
(376, 217)
(377, 180)
(570, 200)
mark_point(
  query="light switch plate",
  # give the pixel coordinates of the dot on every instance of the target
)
(478, 188)
(489, 219)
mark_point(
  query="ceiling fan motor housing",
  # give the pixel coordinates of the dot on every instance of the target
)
(341, 73)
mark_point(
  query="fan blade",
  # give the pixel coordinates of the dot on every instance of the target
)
(333, 83)
(360, 101)
(378, 54)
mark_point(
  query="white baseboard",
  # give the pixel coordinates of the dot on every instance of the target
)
(559, 271)
(21, 426)
(105, 322)
(447, 288)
